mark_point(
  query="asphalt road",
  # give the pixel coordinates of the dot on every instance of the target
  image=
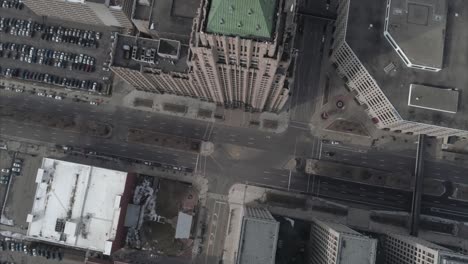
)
(241, 155)
(308, 68)
(391, 161)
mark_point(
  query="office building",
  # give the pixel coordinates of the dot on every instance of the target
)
(80, 206)
(155, 65)
(403, 249)
(332, 243)
(258, 238)
(403, 62)
(94, 12)
(243, 52)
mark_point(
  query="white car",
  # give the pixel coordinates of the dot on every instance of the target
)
(6, 170)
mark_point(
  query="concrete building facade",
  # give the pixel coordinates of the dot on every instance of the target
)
(99, 12)
(332, 243)
(258, 238)
(242, 52)
(392, 45)
(402, 249)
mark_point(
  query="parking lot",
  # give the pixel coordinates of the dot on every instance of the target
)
(25, 252)
(5, 164)
(61, 54)
(22, 189)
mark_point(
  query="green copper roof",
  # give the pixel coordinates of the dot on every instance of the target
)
(244, 18)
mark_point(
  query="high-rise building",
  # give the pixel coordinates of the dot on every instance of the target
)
(258, 238)
(242, 52)
(155, 65)
(402, 60)
(403, 249)
(95, 12)
(333, 243)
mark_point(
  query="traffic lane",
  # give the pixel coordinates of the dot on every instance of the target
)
(393, 162)
(369, 159)
(434, 209)
(216, 231)
(308, 70)
(104, 113)
(322, 7)
(254, 138)
(449, 172)
(124, 117)
(333, 188)
(366, 192)
(63, 137)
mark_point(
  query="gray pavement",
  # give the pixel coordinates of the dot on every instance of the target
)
(311, 47)
(240, 154)
(246, 155)
(101, 53)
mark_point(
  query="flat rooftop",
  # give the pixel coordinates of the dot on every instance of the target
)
(418, 28)
(243, 18)
(374, 51)
(160, 61)
(76, 205)
(355, 247)
(258, 238)
(433, 98)
(173, 19)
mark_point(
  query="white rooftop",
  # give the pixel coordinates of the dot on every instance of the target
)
(84, 199)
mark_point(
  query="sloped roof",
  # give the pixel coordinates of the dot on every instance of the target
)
(244, 18)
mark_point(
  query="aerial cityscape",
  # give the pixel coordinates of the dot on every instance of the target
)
(233, 131)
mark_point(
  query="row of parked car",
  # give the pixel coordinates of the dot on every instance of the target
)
(48, 57)
(72, 83)
(84, 38)
(17, 4)
(47, 252)
(19, 27)
(16, 168)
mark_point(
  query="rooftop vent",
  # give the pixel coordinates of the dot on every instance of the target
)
(59, 225)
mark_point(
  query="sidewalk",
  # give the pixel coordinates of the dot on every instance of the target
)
(205, 111)
(340, 117)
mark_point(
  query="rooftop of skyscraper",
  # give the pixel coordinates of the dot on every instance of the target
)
(243, 18)
(173, 19)
(136, 52)
(442, 101)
